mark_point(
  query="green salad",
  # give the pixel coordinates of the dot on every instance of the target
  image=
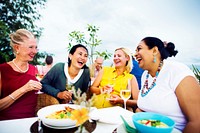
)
(153, 123)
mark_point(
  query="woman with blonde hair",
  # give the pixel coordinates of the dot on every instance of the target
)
(119, 76)
(18, 82)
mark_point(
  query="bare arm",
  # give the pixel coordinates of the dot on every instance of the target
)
(95, 86)
(188, 94)
(8, 100)
(134, 88)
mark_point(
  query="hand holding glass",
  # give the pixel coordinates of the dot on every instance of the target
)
(111, 83)
(39, 78)
(109, 87)
(69, 88)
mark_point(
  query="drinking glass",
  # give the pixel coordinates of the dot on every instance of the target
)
(111, 84)
(126, 94)
(69, 87)
(39, 77)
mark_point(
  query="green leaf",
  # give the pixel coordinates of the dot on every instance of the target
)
(16, 15)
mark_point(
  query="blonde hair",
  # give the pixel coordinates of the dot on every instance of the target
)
(18, 37)
(129, 64)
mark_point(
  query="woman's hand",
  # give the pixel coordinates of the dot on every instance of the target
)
(115, 99)
(32, 85)
(65, 95)
(107, 89)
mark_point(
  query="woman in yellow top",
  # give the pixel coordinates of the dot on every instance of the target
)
(111, 80)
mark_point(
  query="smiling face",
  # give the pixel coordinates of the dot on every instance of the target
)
(26, 50)
(144, 55)
(79, 58)
(120, 59)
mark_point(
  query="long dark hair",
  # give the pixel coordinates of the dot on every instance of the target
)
(73, 49)
(166, 49)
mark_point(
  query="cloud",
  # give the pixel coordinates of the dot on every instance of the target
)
(123, 23)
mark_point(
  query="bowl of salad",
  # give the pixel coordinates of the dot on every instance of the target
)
(147, 122)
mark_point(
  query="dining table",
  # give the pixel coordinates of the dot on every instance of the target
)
(107, 121)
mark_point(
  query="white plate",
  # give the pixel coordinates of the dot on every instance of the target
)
(60, 123)
(122, 129)
(110, 115)
(59, 127)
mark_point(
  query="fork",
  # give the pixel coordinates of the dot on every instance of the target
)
(39, 125)
(129, 128)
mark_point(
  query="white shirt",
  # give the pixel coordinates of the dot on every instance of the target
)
(162, 98)
(69, 80)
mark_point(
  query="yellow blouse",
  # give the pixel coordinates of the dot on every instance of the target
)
(110, 77)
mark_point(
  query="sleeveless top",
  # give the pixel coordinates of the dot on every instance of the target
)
(119, 83)
(11, 80)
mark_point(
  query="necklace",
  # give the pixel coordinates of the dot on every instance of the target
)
(145, 88)
(20, 68)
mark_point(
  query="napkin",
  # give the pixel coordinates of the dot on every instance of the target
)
(111, 115)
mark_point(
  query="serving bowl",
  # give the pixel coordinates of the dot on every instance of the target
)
(43, 112)
(144, 128)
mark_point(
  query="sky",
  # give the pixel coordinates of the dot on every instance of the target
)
(123, 23)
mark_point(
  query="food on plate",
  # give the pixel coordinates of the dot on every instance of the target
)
(153, 123)
(61, 114)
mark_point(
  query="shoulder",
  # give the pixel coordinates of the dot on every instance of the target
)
(3, 65)
(86, 70)
(175, 66)
(59, 65)
(107, 68)
(57, 69)
(176, 70)
(129, 75)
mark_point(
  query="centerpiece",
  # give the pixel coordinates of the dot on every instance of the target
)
(65, 116)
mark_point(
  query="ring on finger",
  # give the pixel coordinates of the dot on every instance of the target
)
(33, 86)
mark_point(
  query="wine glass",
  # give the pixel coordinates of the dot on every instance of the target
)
(126, 93)
(69, 87)
(110, 85)
(39, 78)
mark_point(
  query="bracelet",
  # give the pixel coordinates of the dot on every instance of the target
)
(12, 97)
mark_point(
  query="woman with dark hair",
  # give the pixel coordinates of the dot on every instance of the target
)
(168, 87)
(74, 73)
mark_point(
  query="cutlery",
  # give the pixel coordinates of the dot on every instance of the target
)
(129, 128)
(39, 125)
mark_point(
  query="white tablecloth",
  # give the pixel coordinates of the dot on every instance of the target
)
(109, 119)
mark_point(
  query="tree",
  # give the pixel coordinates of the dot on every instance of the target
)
(16, 14)
(92, 43)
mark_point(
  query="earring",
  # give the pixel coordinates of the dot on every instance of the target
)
(154, 59)
(17, 52)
